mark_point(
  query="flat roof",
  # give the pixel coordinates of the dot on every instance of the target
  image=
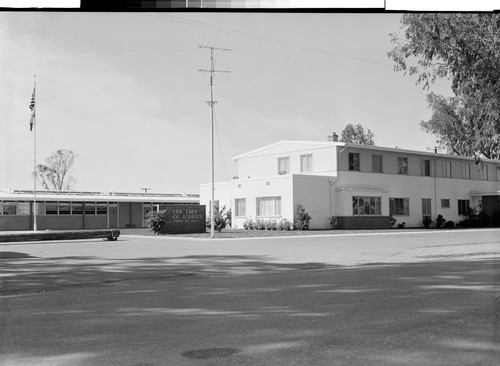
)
(92, 196)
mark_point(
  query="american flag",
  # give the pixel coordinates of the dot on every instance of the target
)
(32, 109)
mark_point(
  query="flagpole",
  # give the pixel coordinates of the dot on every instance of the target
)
(34, 155)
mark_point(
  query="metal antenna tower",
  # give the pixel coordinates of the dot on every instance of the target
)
(211, 102)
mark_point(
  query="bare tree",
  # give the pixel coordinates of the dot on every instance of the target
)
(54, 174)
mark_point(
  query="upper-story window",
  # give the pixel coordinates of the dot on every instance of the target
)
(306, 163)
(402, 165)
(426, 168)
(377, 166)
(446, 169)
(465, 170)
(354, 161)
(484, 172)
(283, 165)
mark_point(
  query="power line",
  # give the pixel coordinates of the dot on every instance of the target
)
(266, 39)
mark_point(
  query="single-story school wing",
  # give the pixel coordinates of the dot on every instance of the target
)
(360, 186)
(72, 210)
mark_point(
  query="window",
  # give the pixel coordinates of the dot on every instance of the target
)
(24, 208)
(399, 206)
(268, 206)
(426, 168)
(402, 165)
(446, 169)
(498, 174)
(240, 206)
(377, 164)
(306, 163)
(463, 207)
(102, 208)
(465, 170)
(445, 203)
(64, 208)
(484, 172)
(89, 208)
(354, 161)
(283, 165)
(51, 208)
(426, 207)
(9, 208)
(366, 205)
(77, 208)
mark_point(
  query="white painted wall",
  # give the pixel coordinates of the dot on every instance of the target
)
(323, 199)
(264, 162)
(314, 194)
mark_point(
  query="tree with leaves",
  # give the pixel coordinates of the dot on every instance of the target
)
(465, 48)
(357, 135)
(55, 173)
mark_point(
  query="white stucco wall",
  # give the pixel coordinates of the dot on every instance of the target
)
(258, 177)
(264, 162)
(315, 195)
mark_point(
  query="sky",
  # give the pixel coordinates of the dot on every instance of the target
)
(123, 91)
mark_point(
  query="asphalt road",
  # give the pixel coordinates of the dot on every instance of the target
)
(442, 308)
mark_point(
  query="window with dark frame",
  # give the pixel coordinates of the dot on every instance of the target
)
(402, 165)
(354, 161)
(426, 168)
(446, 169)
(463, 207)
(399, 206)
(366, 205)
(445, 203)
(377, 166)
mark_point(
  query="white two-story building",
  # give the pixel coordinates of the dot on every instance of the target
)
(361, 186)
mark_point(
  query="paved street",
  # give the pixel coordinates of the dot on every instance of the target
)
(426, 299)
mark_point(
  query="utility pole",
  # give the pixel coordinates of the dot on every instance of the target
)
(211, 102)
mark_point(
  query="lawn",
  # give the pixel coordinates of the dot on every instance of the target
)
(242, 233)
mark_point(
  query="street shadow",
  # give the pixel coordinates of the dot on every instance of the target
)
(376, 314)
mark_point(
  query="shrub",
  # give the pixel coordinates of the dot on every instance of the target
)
(220, 219)
(427, 221)
(449, 223)
(392, 220)
(440, 220)
(402, 225)
(259, 224)
(156, 221)
(301, 218)
(475, 218)
(284, 224)
(333, 222)
(248, 224)
(229, 216)
(269, 224)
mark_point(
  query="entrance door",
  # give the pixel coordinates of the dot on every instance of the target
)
(113, 215)
(426, 207)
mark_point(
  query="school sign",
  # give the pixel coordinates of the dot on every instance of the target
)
(184, 219)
